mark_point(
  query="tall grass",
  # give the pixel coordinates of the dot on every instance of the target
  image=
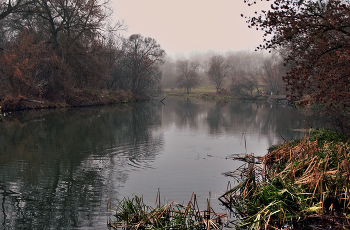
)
(134, 214)
(294, 182)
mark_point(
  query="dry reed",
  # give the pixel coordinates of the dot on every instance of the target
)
(293, 183)
(134, 214)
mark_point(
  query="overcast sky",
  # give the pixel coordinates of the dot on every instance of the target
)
(185, 26)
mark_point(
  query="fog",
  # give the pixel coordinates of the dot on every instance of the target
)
(184, 28)
(195, 31)
(247, 71)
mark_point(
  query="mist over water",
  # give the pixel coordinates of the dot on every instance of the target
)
(59, 168)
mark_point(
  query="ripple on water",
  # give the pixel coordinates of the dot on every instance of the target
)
(135, 158)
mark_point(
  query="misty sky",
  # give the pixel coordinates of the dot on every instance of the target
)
(185, 26)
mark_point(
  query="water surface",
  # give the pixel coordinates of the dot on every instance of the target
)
(59, 168)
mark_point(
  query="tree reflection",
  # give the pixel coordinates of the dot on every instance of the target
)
(270, 120)
(57, 168)
(217, 117)
(187, 111)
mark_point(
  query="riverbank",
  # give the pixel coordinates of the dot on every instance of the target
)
(208, 94)
(80, 99)
(301, 184)
(85, 99)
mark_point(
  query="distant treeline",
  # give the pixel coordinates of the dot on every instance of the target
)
(239, 73)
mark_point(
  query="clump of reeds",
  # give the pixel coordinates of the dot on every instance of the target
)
(134, 214)
(294, 182)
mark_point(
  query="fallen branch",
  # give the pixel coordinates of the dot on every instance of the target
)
(35, 101)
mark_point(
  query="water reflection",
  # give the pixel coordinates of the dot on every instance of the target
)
(59, 168)
(283, 122)
(218, 117)
(56, 166)
(187, 112)
(270, 120)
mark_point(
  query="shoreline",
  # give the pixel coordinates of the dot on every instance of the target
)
(22, 103)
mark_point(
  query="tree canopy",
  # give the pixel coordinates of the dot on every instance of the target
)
(137, 68)
(66, 52)
(314, 39)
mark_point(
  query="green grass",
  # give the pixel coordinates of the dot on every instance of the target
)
(198, 90)
(207, 92)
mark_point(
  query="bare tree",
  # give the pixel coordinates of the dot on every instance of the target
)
(218, 70)
(242, 83)
(69, 21)
(138, 68)
(244, 69)
(187, 75)
(8, 7)
(272, 73)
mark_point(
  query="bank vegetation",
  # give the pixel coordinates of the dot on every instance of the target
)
(301, 184)
(67, 53)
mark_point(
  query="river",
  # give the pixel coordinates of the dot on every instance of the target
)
(59, 168)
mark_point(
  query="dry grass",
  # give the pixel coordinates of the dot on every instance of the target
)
(293, 183)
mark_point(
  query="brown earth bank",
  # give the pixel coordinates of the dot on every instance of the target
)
(326, 221)
(78, 99)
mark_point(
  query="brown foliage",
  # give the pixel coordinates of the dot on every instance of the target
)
(315, 37)
(11, 103)
(17, 66)
(34, 71)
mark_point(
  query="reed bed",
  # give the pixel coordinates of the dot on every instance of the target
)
(296, 185)
(134, 214)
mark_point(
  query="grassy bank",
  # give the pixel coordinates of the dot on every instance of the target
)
(208, 92)
(301, 184)
(193, 93)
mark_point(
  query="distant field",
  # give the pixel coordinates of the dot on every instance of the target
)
(201, 90)
(197, 90)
